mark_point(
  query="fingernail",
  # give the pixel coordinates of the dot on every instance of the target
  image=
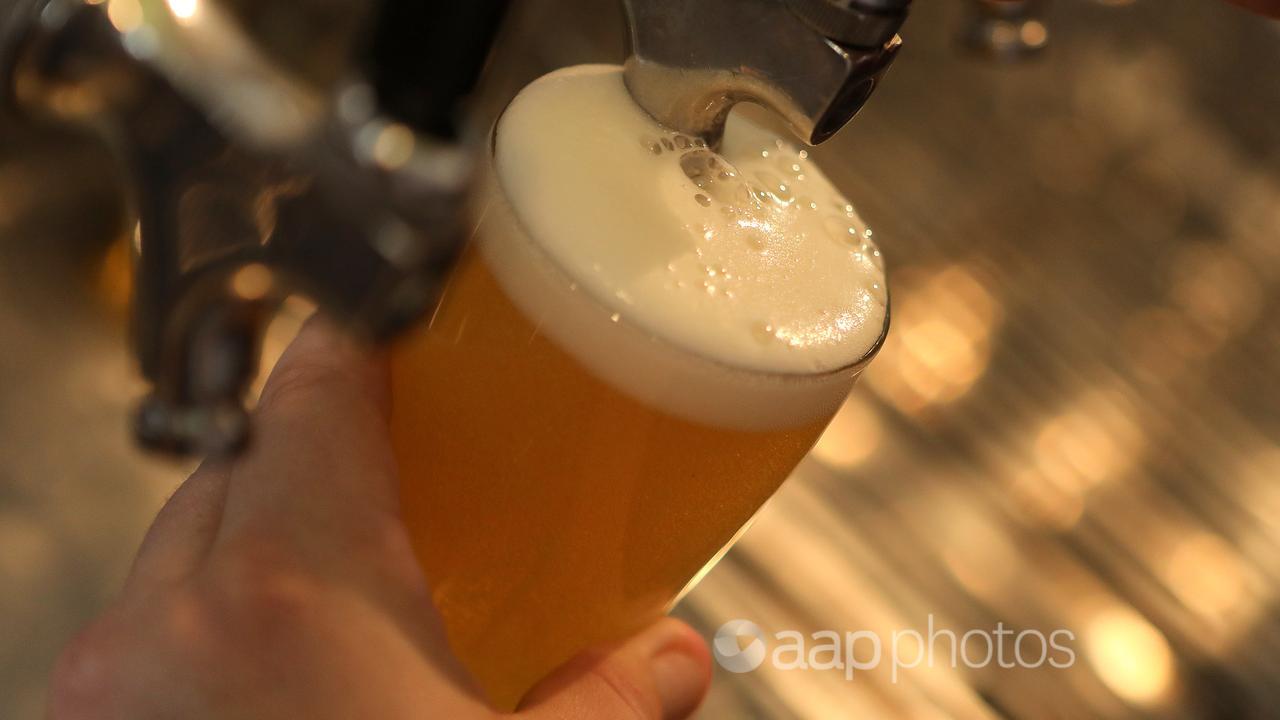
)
(678, 677)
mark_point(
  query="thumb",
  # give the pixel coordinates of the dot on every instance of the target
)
(660, 674)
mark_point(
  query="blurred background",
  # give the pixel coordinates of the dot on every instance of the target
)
(1074, 425)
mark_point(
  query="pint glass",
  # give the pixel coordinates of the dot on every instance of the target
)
(566, 474)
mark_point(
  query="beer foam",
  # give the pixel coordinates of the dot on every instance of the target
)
(734, 287)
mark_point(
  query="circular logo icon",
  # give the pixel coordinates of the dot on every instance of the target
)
(739, 646)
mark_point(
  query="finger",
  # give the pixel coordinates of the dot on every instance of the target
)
(662, 673)
(182, 532)
(320, 464)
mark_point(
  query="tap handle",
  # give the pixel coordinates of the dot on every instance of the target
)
(414, 42)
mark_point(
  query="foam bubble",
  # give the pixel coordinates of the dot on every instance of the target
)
(744, 283)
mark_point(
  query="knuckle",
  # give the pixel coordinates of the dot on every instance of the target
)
(256, 591)
(296, 380)
(187, 621)
(81, 683)
(630, 700)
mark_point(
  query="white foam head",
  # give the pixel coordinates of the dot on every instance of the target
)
(736, 289)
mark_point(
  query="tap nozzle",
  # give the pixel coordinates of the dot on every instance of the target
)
(814, 62)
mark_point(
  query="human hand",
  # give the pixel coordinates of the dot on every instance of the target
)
(283, 585)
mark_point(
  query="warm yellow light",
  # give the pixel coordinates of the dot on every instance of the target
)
(1130, 656)
(1044, 500)
(1073, 447)
(1034, 33)
(253, 282)
(394, 147)
(185, 10)
(125, 15)
(978, 552)
(942, 340)
(852, 436)
(1096, 438)
(1207, 576)
(115, 277)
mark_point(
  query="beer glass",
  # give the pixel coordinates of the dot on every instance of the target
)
(566, 475)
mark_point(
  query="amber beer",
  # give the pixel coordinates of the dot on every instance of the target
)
(568, 467)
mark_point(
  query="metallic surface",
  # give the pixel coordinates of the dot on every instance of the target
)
(237, 162)
(689, 62)
(1075, 422)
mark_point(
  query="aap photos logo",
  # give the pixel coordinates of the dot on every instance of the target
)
(739, 646)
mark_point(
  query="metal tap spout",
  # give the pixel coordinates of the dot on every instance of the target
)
(814, 62)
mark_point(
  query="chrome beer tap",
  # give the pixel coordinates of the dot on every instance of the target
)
(271, 148)
(813, 62)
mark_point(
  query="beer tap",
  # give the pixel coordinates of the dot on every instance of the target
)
(273, 148)
(813, 62)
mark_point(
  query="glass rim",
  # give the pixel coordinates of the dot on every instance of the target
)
(855, 367)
